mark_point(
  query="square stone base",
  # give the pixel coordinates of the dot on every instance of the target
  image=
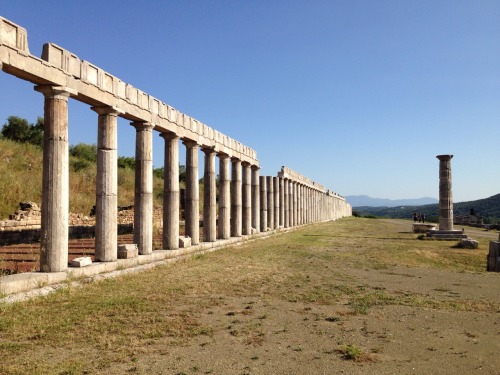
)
(81, 262)
(446, 234)
(128, 251)
(184, 242)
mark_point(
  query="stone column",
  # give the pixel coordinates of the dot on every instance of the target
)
(192, 209)
(209, 197)
(143, 198)
(290, 203)
(263, 204)
(282, 202)
(106, 213)
(224, 197)
(255, 199)
(286, 208)
(445, 193)
(276, 183)
(55, 180)
(295, 205)
(299, 204)
(171, 193)
(246, 199)
(236, 198)
(270, 202)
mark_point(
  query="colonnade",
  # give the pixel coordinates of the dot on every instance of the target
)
(248, 203)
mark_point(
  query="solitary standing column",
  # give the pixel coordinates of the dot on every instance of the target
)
(445, 193)
(282, 202)
(106, 212)
(143, 198)
(171, 194)
(276, 184)
(55, 180)
(246, 199)
(224, 198)
(209, 197)
(192, 210)
(263, 204)
(270, 202)
(236, 198)
(255, 199)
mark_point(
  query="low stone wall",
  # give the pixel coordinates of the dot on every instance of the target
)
(24, 226)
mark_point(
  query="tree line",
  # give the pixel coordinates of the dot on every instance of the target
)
(84, 155)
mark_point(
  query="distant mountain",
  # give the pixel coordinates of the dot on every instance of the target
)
(365, 200)
(488, 208)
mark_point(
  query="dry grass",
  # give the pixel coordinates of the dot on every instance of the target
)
(21, 171)
(114, 324)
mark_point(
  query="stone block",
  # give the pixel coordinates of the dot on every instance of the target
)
(469, 243)
(493, 257)
(81, 262)
(184, 242)
(128, 251)
(254, 231)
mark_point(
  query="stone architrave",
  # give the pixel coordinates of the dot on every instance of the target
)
(209, 197)
(171, 192)
(55, 180)
(106, 223)
(143, 199)
(192, 211)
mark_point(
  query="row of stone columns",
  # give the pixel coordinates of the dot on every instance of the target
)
(248, 203)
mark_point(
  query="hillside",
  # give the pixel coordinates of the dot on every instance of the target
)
(365, 200)
(488, 208)
(21, 171)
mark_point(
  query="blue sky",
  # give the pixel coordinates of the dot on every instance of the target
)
(359, 96)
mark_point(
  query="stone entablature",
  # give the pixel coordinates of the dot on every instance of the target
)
(297, 177)
(92, 85)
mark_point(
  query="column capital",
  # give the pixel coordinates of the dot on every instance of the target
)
(189, 143)
(234, 159)
(222, 155)
(255, 167)
(444, 157)
(142, 125)
(56, 92)
(107, 110)
(245, 164)
(208, 150)
(169, 135)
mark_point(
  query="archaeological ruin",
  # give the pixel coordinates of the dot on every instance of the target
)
(249, 205)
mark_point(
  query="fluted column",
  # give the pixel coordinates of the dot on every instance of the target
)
(263, 204)
(282, 202)
(106, 213)
(276, 185)
(143, 198)
(209, 197)
(295, 205)
(192, 209)
(270, 202)
(286, 208)
(55, 180)
(255, 199)
(236, 210)
(445, 193)
(171, 193)
(224, 197)
(290, 203)
(246, 221)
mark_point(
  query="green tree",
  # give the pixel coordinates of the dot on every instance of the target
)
(126, 162)
(16, 129)
(84, 151)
